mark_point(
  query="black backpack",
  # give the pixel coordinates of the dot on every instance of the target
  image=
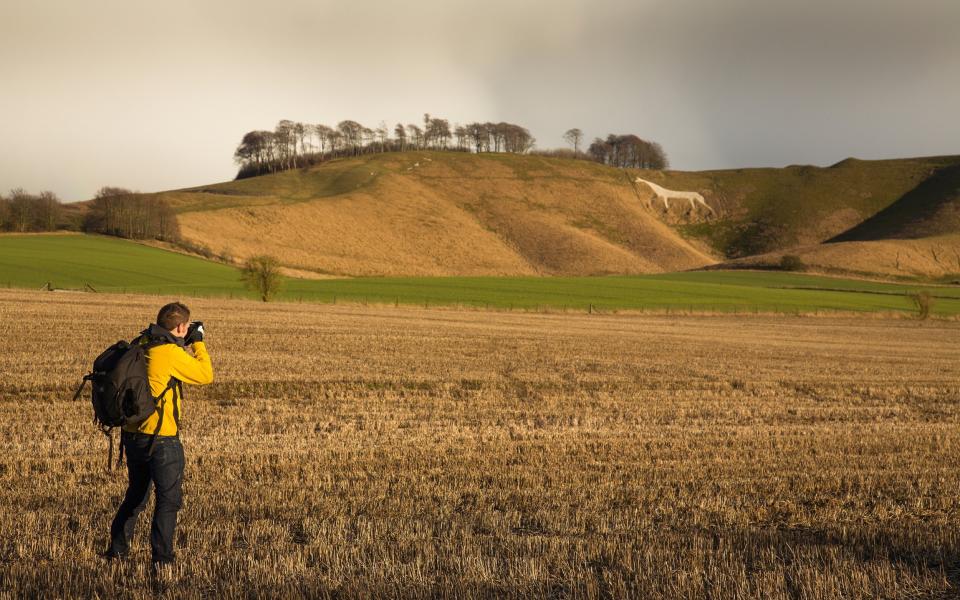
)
(121, 392)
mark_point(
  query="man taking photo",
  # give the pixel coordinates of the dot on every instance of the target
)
(154, 452)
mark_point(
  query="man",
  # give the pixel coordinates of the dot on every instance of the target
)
(153, 449)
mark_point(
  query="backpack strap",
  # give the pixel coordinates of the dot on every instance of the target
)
(177, 398)
(86, 378)
(171, 385)
(107, 432)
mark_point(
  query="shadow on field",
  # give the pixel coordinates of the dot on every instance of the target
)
(914, 551)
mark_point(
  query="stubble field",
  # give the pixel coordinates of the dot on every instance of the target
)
(400, 452)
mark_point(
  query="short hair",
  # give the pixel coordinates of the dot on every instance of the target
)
(172, 315)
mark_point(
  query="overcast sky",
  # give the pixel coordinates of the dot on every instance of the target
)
(156, 95)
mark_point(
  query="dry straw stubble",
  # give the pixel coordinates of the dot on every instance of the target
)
(361, 451)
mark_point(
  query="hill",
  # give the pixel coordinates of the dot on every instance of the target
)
(440, 214)
(894, 218)
(765, 210)
(457, 214)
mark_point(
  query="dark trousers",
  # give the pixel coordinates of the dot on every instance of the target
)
(164, 471)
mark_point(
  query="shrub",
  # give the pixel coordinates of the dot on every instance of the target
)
(792, 262)
(924, 302)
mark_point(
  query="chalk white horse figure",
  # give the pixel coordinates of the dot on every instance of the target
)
(665, 195)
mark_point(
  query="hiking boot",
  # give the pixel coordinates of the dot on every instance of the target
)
(111, 556)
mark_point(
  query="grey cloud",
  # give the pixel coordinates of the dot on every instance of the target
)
(156, 95)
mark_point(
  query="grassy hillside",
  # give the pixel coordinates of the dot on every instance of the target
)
(456, 214)
(930, 209)
(112, 265)
(74, 261)
(437, 213)
(935, 258)
(766, 210)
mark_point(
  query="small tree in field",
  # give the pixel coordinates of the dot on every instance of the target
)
(262, 275)
(792, 262)
(924, 302)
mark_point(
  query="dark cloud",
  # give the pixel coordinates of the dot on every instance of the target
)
(155, 96)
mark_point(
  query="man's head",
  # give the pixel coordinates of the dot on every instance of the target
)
(174, 317)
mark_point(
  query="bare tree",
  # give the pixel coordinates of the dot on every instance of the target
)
(255, 150)
(120, 212)
(574, 137)
(335, 139)
(367, 138)
(285, 143)
(4, 213)
(417, 135)
(262, 275)
(48, 211)
(478, 134)
(21, 210)
(401, 134)
(323, 136)
(382, 134)
(438, 130)
(352, 133)
(302, 132)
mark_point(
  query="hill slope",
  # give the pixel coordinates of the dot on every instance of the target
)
(444, 214)
(898, 218)
(432, 213)
(765, 210)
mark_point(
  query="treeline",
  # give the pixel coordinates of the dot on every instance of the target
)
(123, 213)
(23, 212)
(292, 145)
(628, 151)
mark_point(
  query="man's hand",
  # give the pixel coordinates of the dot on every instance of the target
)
(194, 333)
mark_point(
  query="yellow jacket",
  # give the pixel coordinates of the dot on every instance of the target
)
(166, 361)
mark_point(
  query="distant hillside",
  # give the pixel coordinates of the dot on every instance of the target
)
(932, 208)
(440, 213)
(766, 210)
(435, 213)
(892, 218)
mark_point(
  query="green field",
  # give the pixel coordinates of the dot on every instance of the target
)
(114, 265)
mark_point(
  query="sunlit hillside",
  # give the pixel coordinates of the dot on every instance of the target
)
(432, 213)
(444, 214)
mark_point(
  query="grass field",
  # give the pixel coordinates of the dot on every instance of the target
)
(113, 265)
(350, 451)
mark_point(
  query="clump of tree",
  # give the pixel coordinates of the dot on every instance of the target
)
(497, 137)
(622, 151)
(293, 145)
(628, 151)
(261, 274)
(23, 212)
(123, 213)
